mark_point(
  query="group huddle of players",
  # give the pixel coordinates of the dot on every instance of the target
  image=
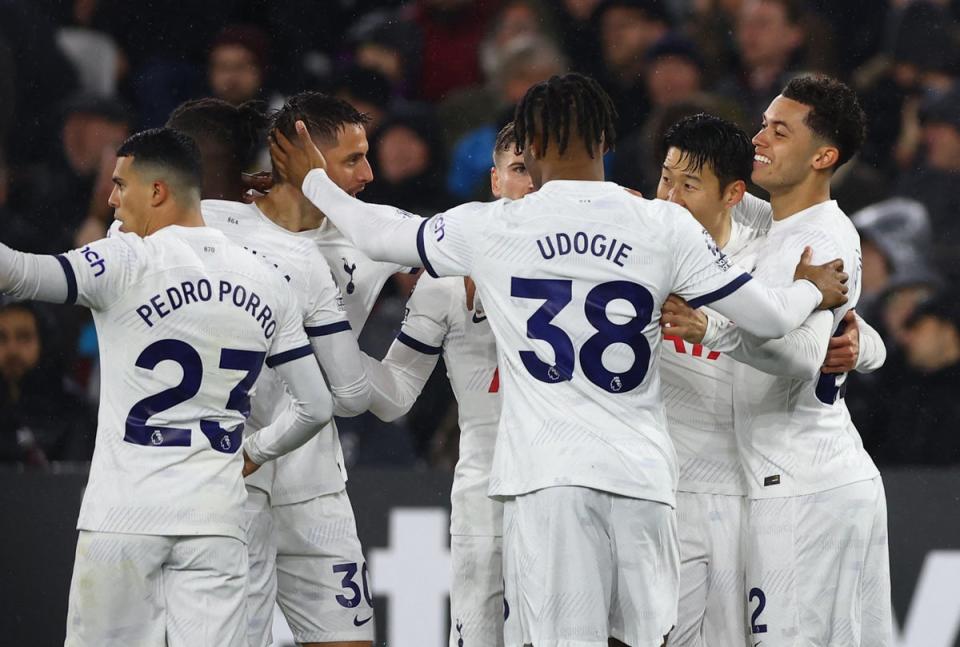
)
(636, 468)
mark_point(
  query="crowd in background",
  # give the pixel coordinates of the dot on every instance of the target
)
(439, 78)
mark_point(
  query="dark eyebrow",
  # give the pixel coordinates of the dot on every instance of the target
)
(117, 180)
(777, 122)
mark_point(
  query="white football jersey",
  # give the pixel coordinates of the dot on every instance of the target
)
(360, 279)
(185, 320)
(573, 278)
(697, 383)
(437, 320)
(795, 436)
(319, 462)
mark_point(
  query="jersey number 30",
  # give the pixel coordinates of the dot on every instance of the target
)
(223, 440)
(557, 293)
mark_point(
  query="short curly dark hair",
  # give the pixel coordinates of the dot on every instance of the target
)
(835, 112)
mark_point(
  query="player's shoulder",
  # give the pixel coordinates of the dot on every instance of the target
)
(753, 213)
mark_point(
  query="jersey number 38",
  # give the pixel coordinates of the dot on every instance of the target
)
(557, 293)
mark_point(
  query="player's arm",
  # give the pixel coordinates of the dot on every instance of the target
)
(399, 378)
(705, 277)
(334, 344)
(311, 409)
(312, 406)
(94, 276)
(872, 351)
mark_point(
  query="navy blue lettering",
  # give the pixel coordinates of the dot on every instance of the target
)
(543, 252)
(241, 292)
(269, 330)
(622, 254)
(225, 289)
(563, 244)
(158, 306)
(174, 298)
(253, 304)
(188, 292)
(144, 312)
(264, 317)
(580, 242)
(599, 238)
(204, 289)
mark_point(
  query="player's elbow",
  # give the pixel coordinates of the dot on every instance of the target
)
(352, 401)
(317, 411)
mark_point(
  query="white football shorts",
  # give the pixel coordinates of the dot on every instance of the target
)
(157, 591)
(818, 570)
(712, 597)
(309, 555)
(582, 565)
(476, 593)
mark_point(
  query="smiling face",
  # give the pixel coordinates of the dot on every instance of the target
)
(698, 190)
(786, 149)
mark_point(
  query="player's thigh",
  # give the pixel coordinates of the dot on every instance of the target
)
(725, 617)
(558, 562)
(693, 539)
(262, 574)
(643, 610)
(323, 584)
(205, 587)
(806, 566)
(476, 591)
(116, 594)
(876, 605)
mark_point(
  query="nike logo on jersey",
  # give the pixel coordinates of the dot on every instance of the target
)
(357, 622)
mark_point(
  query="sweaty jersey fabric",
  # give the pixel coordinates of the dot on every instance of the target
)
(583, 408)
(438, 321)
(697, 383)
(795, 436)
(185, 319)
(318, 464)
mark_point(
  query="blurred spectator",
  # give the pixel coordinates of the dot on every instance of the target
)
(628, 28)
(895, 241)
(674, 71)
(75, 185)
(526, 61)
(451, 32)
(390, 46)
(41, 420)
(920, 405)
(578, 35)
(42, 78)
(98, 60)
(367, 90)
(923, 59)
(409, 164)
(935, 180)
(238, 63)
(769, 35)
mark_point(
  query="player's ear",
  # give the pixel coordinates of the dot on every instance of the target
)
(159, 193)
(734, 193)
(825, 157)
(495, 182)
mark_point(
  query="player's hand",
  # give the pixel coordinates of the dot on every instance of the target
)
(678, 319)
(295, 160)
(829, 278)
(257, 185)
(844, 350)
(249, 467)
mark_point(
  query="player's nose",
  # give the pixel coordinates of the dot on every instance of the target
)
(364, 172)
(114, 199)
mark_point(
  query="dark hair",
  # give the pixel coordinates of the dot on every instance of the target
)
(506, 141)
(835, 113)
(564, 104)
(168, 148)
(706, 139)
(793, 10)
(323, 114)
(236, 129)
